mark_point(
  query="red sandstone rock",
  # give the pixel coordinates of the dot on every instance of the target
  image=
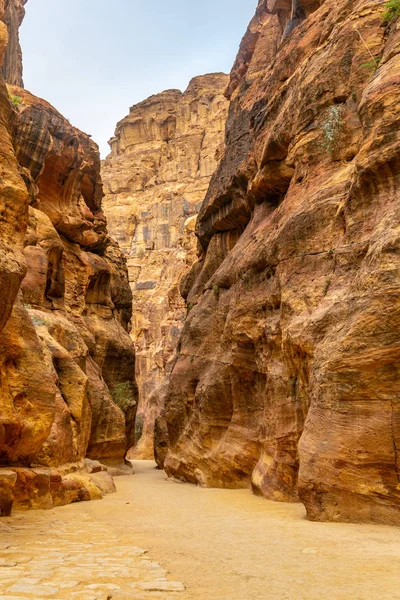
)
(287, 377)
(67, 384)
(76, 290)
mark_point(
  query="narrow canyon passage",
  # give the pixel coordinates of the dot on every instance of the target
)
(222, 544)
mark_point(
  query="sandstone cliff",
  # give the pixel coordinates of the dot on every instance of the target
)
(156, 177)
(288, 373)
(14, 13)
(67, 388)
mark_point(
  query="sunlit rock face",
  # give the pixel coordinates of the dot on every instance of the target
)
(288, 377)
(162, 158)
(75, 293)
(67, 387)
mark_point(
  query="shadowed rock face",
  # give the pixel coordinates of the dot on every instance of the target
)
(67, 387)
(14, 13)
(156, 177)
(288, 372)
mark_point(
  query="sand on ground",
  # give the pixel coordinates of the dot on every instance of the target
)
(231, 545)
(222, 544)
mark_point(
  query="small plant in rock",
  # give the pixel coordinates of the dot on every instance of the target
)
(216, 290)
(37, 321)
(16, 101)
(326, 286)
(371, 64)
(332, 128)
(138, 428)
(392, 11)
(123, 395)
(374, 62)
(27, 306)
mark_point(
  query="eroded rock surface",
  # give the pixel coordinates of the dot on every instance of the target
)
(67, 387)
(288, 373)
(14, 13)
(162, 158)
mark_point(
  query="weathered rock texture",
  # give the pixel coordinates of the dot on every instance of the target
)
(14, 13)
(156, 177)
(67, 386)
(288, 372)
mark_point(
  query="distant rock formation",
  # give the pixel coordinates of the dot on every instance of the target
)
(162, 158)
(288, 375)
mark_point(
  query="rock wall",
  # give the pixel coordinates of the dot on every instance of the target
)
(162, 158)
(14, 13)
(67, 387)
(288, 376)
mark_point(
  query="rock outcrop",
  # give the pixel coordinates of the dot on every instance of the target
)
(67, 387)
(288, 374)
(14, 13)
(156, 177)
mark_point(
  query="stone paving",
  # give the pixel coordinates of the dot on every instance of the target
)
(66, 554)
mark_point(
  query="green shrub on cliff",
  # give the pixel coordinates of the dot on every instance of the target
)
(392, 10)
(123, 395)
(16, 101)
(332, 128)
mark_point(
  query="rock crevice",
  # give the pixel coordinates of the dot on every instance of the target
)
(162, 158)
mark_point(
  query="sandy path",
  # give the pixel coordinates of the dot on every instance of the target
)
(230, 545)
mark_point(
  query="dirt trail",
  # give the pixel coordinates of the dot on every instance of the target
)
(223, 544)
(230, 545)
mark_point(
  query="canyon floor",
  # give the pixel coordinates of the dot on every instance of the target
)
(222, 544)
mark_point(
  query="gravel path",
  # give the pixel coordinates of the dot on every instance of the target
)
(223, 544)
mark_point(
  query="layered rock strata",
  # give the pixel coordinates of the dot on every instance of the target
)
(162, 158)
(14, 13)
(67, 388)
(288, 377)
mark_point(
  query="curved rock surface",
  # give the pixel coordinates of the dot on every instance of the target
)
(67, 387)
(156, 177)
(288, 375)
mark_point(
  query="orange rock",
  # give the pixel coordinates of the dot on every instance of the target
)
(67, 385)
(287, 377)
(162, 158)
(76, 289)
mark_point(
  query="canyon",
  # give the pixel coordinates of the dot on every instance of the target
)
(227, 307)
(155, 179)
(254, 273)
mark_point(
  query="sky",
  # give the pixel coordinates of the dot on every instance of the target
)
(93, 59)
